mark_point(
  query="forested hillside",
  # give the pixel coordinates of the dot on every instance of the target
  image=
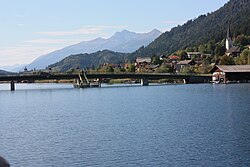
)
(89, 60)
(212, 26)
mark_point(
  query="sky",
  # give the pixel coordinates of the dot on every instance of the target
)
(31, 28)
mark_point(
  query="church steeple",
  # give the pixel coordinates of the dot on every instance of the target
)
(228, 31)
(229, 42)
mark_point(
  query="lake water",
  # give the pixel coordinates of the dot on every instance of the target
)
(173, 125)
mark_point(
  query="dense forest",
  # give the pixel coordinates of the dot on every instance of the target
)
(205, 34)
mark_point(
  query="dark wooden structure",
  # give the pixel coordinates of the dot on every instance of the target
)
(227, 73)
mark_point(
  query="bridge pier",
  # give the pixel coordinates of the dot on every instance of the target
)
(100, 82)
(186, 81)
(12, 85)
(77, 81)
(144, 82)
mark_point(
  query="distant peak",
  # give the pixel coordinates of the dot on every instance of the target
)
(97, 39)
(125, 32)
(155, 31)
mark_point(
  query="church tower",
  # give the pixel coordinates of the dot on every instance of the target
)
(229, 42)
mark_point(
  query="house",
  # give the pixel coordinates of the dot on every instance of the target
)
(142, 60)
(172, 61)
(173, 58)
(184, 63)
(142, 63)
(234, 51)
(193, 55)
(227, 73)
(162, 57)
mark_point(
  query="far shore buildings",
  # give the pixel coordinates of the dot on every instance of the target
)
(192, 55)
(111, 65)
(142, 63)
(231, 73)
(173, 58)
(184, 63)
(234, 51)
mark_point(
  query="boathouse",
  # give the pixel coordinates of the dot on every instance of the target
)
(231, 73)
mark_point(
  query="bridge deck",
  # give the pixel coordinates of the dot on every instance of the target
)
(150, 76)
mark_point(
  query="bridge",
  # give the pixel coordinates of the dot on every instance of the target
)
(188, 78)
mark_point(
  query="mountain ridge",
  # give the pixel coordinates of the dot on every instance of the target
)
(124, 41)
(195, 32)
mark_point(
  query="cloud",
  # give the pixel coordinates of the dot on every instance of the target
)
(53, 41)
(22, 54)
(82, 31)
(86, 30)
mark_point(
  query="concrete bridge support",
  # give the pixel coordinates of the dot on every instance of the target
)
(77, 83)
(12, 85)
(186, 81)
(144, 82)
(100, 82)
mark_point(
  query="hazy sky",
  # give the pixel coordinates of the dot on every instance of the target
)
(31, 28)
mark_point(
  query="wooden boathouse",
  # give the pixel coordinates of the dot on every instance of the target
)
(231, 73)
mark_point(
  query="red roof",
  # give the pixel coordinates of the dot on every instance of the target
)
(173, 57)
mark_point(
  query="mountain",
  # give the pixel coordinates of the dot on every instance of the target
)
(212, 26)
(14, 68)
(2, 72)
(89, 60)
(124, 41)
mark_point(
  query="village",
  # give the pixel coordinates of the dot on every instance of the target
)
(223, 70)
(232, 66)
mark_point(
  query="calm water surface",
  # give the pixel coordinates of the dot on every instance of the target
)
(174, 125)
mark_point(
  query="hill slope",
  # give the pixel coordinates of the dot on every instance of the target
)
(89, 60)
(124, 42)
(208, 27)
(2, 72)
